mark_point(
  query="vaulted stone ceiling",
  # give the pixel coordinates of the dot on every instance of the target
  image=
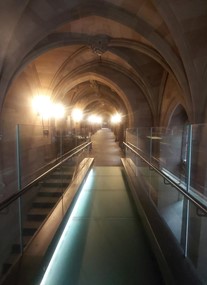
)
(144, 55)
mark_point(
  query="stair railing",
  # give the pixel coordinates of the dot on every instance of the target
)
(26, 188)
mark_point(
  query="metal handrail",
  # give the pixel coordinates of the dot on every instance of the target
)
(187, 195)
(56, 160)
(15, 196)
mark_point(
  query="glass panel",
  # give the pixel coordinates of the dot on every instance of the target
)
(10, 237)
(180, 153)
(8, 166)
(140, 138)
(165, 148)
(37, 203)
(198, 165)
(131, 160)
(197, 236)
(167, 200)
(144, 142)
(131, 136)
(40, 200)
(38, 152)
(47, 146)
(173, 153)
(42, 148)
(35, 143)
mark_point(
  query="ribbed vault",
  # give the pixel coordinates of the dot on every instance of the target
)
(130, 51)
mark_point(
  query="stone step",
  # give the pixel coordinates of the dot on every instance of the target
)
(56, 183)
(38, 214)
(30, 227)
(45, 202)
(61, 175)
(67, 166)
(16, 248)
(50, 192)
(9, 262)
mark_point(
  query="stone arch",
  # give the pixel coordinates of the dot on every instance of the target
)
(116, 14)
(178, 117)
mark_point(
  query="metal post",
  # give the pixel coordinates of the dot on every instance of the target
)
(136, 157)
(189, 153)
(150, 153)
(19, 181)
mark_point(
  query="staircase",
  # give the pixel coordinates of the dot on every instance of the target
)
(49, 192)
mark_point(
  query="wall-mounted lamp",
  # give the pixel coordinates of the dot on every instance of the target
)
(77, 115)
(115, 119)
(58, 111)
(46, 109)
(94, 119)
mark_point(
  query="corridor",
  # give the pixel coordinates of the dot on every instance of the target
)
(105, 149)
(138, 68)
(103, 242)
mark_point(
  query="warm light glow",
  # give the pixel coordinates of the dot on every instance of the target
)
(154, 137)
(94, 119)
(58, 110)
(77, 115)
(115, 119)
(42, 105)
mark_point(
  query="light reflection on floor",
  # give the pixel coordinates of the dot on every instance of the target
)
(104, 241)
(59, 249)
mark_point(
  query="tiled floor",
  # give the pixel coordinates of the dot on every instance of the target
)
(105, 149)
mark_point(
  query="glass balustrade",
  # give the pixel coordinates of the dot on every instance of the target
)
(34, 152)
(180, 155)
